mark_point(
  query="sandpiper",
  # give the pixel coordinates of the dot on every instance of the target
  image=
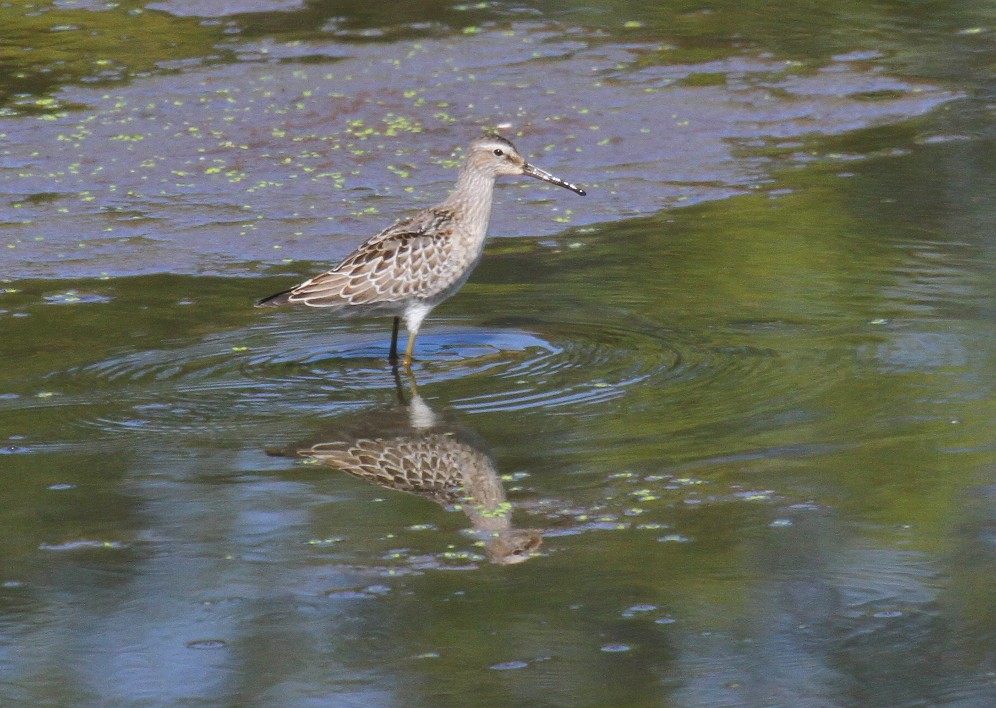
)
(409, 268)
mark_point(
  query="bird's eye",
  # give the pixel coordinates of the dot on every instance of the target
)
(498, 152)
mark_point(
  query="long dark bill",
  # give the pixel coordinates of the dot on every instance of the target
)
(536, 172)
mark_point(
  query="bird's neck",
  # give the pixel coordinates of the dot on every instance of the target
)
(471, 198)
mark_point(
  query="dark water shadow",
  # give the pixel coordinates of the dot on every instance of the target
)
(411, 448)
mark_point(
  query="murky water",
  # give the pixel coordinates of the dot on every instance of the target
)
(718, 434)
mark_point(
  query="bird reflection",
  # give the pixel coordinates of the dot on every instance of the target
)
(409, 448)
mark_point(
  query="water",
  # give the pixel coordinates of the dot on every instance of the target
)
(736, 404)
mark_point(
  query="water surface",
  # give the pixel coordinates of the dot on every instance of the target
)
(736, 405)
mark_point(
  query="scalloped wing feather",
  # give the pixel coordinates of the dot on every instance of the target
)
(407, 260)
(433, 465)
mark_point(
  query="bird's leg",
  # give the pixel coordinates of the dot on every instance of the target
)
(399, 387)
(407, 363)
(393, 355)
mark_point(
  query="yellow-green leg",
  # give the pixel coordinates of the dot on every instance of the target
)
(408, 352)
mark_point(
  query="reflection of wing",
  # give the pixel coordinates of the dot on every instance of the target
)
(408, 260)
(446, 464)
(430, 464)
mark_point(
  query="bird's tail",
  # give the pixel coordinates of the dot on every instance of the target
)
(281, 298)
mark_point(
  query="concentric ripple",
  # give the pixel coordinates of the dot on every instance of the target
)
(587, 368)
(282, 368)
(562, 365)
(513, 364)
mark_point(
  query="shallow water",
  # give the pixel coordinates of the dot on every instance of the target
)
(741, 396)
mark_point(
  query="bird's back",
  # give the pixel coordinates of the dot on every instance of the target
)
(422, 258)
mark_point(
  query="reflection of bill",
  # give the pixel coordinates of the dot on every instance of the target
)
(408, 449)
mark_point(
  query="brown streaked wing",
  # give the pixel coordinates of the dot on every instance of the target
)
(431, 466)
(388, 268)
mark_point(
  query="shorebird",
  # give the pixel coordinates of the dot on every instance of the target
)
(409, 268)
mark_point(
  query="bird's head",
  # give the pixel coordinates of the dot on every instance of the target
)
(496, 156)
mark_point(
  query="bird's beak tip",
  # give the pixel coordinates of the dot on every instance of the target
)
(533, 171)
